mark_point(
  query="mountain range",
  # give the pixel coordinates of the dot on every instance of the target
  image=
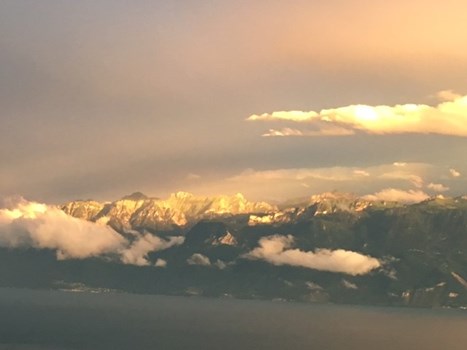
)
(331, 247)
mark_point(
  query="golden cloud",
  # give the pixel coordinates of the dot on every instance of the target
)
(322, 131)
(397, 195)
(446, 118)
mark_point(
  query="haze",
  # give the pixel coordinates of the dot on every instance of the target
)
(103, 98)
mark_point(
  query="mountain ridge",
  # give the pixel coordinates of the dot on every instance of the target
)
(183, 209)
(330, 247)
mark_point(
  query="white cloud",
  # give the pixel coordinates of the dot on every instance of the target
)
(359, 172)
(296, 116)
(283, 132)
(437, 187)
(137, 253)
(313, 286)
(399, 164)
(30, 224)
(199, 259)
(160, 263)
(323, 131)
(446, 118)
(397, 195)
(454, 172)
(348, 284)
(277, 250)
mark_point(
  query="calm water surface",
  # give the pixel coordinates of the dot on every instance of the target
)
(61, 320)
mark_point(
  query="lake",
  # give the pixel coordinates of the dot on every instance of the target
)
(31, 319)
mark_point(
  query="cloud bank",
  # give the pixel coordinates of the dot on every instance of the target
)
(397, 195)
(408, 172)
(277, 251)
(402, 181)
(36, 225)
(446, 118)
(26, 224)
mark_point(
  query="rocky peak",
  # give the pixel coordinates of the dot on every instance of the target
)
(136, 196)
(87, 210)
(226, 239)
(179, 209)
(328, 203)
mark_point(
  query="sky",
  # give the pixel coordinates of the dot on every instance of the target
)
(275, 99)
